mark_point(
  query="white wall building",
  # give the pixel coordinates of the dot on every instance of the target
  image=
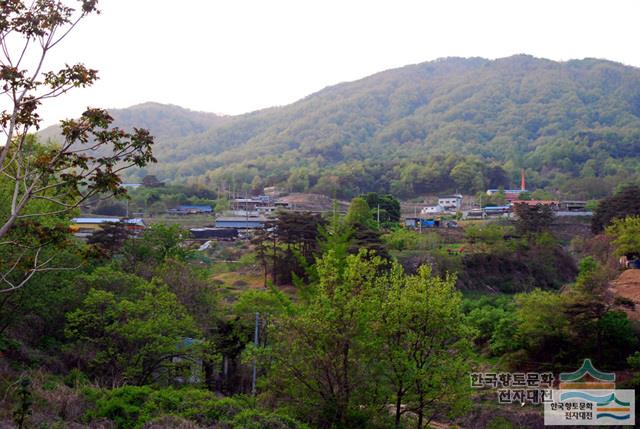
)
(431, 210)
(450, 202)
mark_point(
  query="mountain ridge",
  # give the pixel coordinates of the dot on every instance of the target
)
(379, 132)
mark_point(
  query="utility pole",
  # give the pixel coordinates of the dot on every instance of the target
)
(255, 342)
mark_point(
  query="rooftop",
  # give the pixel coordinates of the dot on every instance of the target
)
(241, 219)
(93, 220)
(194, 207)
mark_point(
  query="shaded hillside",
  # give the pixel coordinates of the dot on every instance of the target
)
(451, 124)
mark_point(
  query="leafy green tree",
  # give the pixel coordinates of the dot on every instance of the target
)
(388, 205)
(541, 194)
(35, 314)
(91, 154)
(363, 231)
(525, 196)
(126, 339)
(534, 331)
(156, 244)
(627, 235)
(617, 338)
(468, 176)
(222, 204)
(425, 345)
(298, 180)
(359, 213)
(540, 324)
(323, 353)
(35, 245)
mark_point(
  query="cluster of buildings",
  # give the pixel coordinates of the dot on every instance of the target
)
(446, 204)
(438, 215)
(245, 214)
(253, 213)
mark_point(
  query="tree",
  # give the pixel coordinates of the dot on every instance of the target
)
(359, 213)
(497, 177)
(468, 176)
(622, 204)
(324, 353)
(425, 345)
(540, 323)
(125, 338)
(388, 205)
(156, 244)
(627, 235)
(110, 238)
(110, 208)
(222, 204)
(286, 246)
(91, 155)
(525, 196)
(541, 194)
(151, 181)
(532, 219)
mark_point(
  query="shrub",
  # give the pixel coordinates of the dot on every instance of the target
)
(138, 407)
(254, 419)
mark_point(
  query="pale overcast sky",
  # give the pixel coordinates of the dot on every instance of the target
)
(235, 56)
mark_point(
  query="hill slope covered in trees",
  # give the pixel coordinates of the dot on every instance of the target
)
(451, 124)
(166, 121)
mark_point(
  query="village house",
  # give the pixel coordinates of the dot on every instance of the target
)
(451, 202)
(432, 210)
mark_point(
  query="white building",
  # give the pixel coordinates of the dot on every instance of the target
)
(431, 210)
(451, 202)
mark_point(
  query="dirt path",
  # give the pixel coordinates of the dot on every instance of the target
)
(627, 285)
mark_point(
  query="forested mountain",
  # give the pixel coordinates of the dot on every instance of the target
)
(449, 124)
(166, 121)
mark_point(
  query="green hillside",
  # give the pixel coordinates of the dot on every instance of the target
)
(167, 122)
(449, 124)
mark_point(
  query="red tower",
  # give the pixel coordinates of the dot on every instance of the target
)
(522, 187)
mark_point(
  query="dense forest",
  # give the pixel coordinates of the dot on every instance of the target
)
(449, 124)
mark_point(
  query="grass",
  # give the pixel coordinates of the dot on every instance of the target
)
(187, 221)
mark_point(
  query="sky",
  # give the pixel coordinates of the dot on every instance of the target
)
(236, 56)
